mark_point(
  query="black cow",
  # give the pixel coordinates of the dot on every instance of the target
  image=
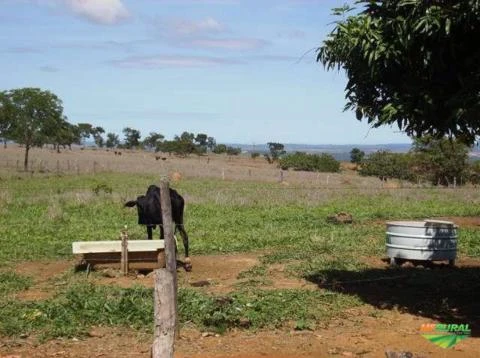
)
(150, 213)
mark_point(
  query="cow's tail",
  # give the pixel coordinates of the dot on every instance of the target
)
(131, 203)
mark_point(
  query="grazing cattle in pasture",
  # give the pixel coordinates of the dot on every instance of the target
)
(150, 213)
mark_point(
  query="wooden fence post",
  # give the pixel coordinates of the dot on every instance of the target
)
(124, 255)
(166, 206)
(165, 293)
(165, 314)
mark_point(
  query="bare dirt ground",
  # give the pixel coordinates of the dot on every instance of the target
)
(364, 331)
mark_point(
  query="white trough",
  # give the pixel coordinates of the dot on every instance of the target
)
(86, 247)
(142, 254)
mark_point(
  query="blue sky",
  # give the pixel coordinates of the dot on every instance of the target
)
(241, 71)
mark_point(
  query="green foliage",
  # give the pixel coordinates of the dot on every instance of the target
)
(260, 308)
(112, 140)
(310, 162)
(474, 173)
(85, 131)
(356, 155)
(233, 150)
(81, 306)
(153, 140)
(97, 189)
(440, 161)
(410, 63)
(220, 149)
(385, 164)
(97, 136)
(65, 135)
(12, 282)
(6, 124)
(289, 226)
(276, 150)
(254, 155)
(33, 117)
(132, 137)
(186, 144)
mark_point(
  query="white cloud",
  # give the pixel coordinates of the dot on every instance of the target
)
(230, 44)
(106, 12)
(163, 61)
(195, 28)
(207, 33)
(180, 29)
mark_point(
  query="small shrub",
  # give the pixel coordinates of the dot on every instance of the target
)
(102, 187)
(11, 282)
(384, 164)
(310, 162)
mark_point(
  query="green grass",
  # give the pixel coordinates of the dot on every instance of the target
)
(11, 282)
(41, 217)
(82, 305)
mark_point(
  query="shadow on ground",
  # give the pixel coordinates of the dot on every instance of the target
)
(439, 292)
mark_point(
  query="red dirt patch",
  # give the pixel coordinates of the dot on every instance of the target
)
(42, 273)
(365, 333)
(463, 221)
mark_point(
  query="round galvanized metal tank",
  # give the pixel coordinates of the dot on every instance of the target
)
(430, 240)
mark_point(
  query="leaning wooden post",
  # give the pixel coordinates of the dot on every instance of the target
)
(124, 257)
(166, 206)
(165, 293)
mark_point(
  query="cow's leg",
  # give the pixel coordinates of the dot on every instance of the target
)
(149, 232)
(162, 235)
(183, 233)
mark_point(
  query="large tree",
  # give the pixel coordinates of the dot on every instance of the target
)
(86, 130)
(5, 119)
(35, 116)
(132, 137)
(153, 140)
(276, 150)
(65, 135)
(112, 140)
(440, 161)
(97, 136)
(412, 63)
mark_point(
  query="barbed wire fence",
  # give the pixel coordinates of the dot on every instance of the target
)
(201, 167)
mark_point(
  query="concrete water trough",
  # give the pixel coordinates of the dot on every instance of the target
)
(427, 240)
(142, 254)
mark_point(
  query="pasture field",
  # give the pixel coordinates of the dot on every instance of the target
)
(279, 277)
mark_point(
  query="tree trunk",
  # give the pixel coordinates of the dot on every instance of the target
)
(5, 144)
(25, 162)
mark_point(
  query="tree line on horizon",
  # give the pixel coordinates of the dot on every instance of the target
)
(33, 117)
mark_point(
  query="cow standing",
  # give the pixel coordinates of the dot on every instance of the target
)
(150, 214)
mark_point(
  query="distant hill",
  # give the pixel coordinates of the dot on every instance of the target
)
(339, 152)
